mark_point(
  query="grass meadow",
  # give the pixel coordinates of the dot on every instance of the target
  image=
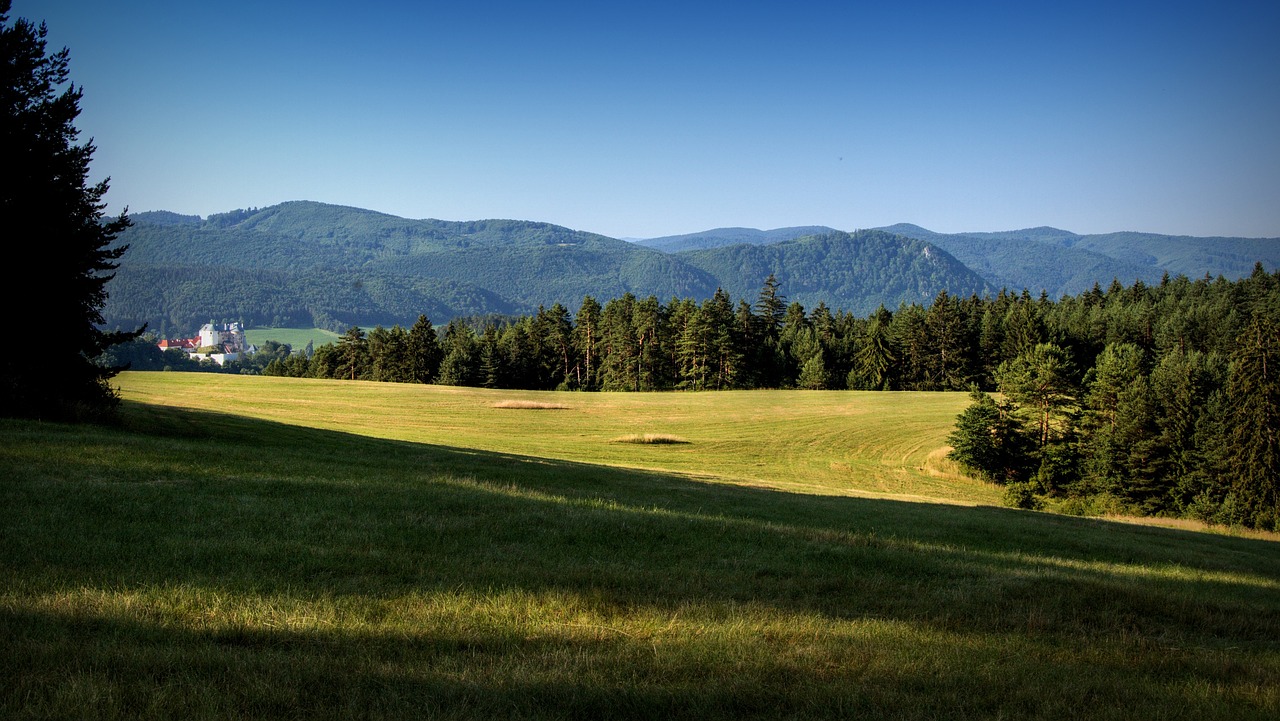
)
(295, 337)
(248, 547)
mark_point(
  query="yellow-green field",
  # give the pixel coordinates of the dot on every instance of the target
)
(249, 547)
(809, 441)
(295, 337)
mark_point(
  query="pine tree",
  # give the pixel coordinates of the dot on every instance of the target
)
(620, 346)
(649, 324)
(43, 178)
(1040, 379)
(353, 352)
(1253, 393)
(424, 351)
(987, 440)
(586, 344)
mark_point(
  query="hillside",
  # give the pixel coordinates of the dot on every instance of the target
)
(720, 237)
(1062, 262)
(305, 263)
(856, 272)
(333, 266)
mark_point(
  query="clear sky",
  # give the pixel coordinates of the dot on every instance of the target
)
(655, 118)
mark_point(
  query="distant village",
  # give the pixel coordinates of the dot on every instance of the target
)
(218, 343)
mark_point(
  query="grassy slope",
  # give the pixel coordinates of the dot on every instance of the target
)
(811, 441)
(196, 563)
(295, 337)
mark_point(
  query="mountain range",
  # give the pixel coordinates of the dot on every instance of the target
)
(301, 263)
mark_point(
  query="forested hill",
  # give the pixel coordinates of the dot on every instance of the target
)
(855, 272)
(305, 262)
(1064, 263)
(720, 237)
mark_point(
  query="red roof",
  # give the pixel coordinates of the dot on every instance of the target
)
(183, 343)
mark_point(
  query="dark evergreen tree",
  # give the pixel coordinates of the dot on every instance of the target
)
(1181, 385)
(1253, 425)
(44, 176)
(424, 351)
(621, 348)
(695, 350)
(875, 357)
(458, 367)
(988, 441)
(795, 328)
(770, 314)
(914, 350)
(490, 371)
(353, 354)
(648, 321)
(586, 344)
(325, 362)
(945, 328)
(725, 349)
(557, 334)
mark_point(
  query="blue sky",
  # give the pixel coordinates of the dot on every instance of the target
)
(656, 118)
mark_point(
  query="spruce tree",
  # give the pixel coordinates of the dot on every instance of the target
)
(424, 351)
(66, 266)
(1253, 393)
(813, 374)
(875, 357)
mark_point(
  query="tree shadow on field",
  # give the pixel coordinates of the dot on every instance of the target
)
(251, 508)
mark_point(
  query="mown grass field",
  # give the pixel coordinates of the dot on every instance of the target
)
(246, 547)
(295, 337)
(811, 441)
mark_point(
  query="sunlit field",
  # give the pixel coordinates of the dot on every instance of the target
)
(247, 547)
(295, 337)
(812, 441)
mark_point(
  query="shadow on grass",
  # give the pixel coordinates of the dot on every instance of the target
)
(248, 508)
(132, 667)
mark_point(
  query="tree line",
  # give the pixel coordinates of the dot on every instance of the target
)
(1148, 399)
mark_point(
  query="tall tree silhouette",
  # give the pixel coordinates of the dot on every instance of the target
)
(44, 177)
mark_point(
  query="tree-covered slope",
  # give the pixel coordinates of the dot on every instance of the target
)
(720, 237)
(1231, 258)
(305, 262)
(854, 271)
(536, 264)
(335, 266)
(1062, 262)
(175, 300)
(1032, 261)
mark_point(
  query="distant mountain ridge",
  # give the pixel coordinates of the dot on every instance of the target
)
(1063, 262)
(304, 262)
(334, 266)
(720, 237)
(1044, 258)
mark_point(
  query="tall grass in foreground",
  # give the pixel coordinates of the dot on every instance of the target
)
(204, 565)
